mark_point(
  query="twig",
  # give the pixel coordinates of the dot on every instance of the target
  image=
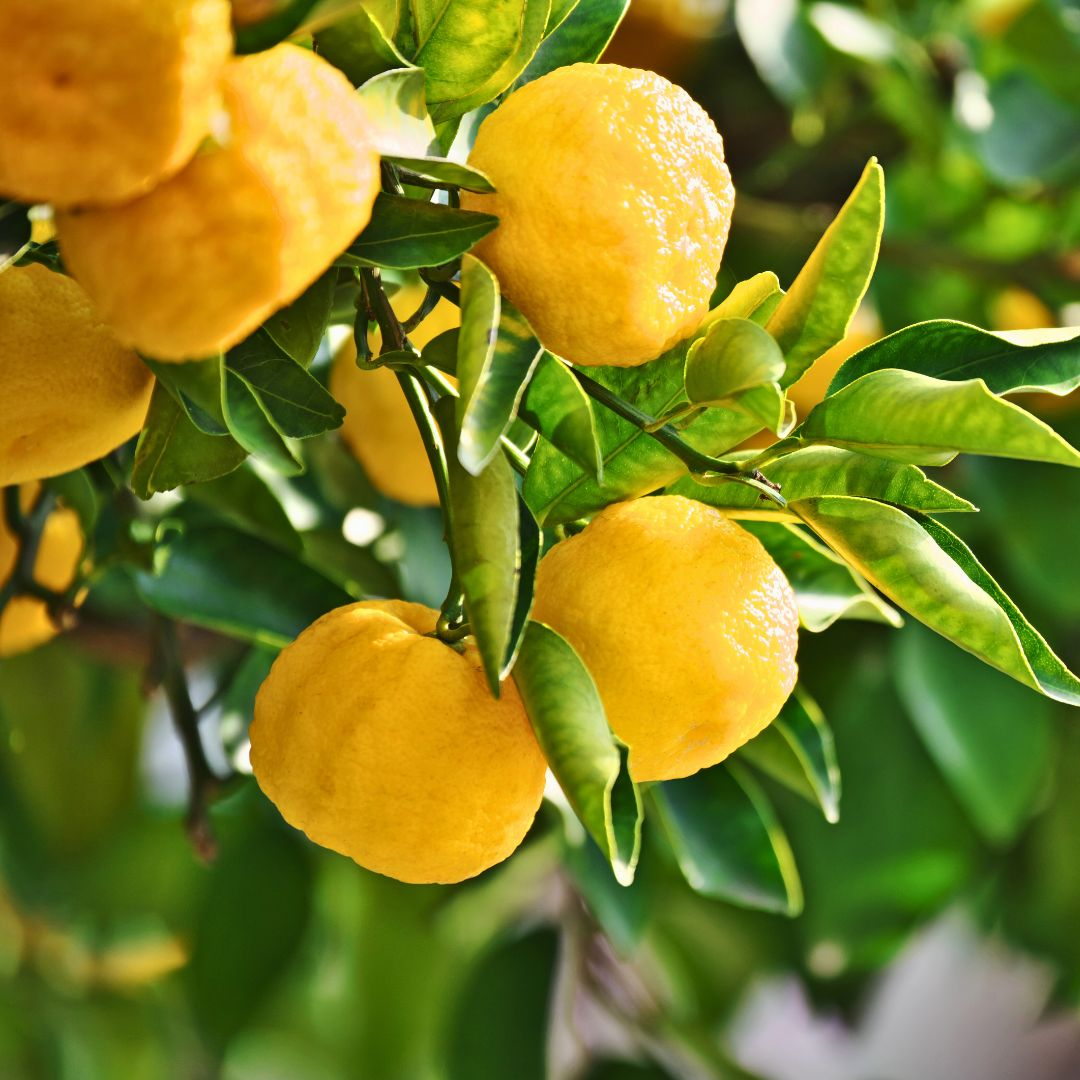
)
(204, 784)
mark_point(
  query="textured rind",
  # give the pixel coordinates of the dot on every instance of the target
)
(69, 391)
(614, 204)
(379, 428)
(25, 622)
(101, 99)
(196, 265)
(686, 624)
(386, 745)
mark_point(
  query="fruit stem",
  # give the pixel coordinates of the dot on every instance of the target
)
(697, 462)
(27, 530)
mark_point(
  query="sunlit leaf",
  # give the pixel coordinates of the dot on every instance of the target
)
(570, 723)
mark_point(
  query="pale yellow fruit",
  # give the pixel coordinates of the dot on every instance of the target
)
(383, 743)
(101, 99)
(195, 266)
(614, 204)
(69, 391)
(379, 427)
(687, 625)
(25, 622)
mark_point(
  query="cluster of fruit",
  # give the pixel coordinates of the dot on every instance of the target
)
(197, 193)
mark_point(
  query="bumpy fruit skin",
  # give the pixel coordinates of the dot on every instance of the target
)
(379, 428)
(101, 99)
(386, 745)
(25, 621)
(197, 264)
(686, 624)
(614, 204)
(69, 391)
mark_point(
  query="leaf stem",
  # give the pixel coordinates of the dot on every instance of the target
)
(697, 462)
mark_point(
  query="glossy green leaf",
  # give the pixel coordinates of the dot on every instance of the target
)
(441, 351)
(581, 37)
(816, 311)
(497, 352)
(557, 407)
(358, 45)
(559, 490)
(571, 726)
(237, 584)
(484, 539)
(560, 10)
(830, 470)
(405, 234)
(398, 110)
(172, 451)
(749, 298)
(784, 47)
(727, 841)
(442, 172)
(355, 569)
(798, 751)
(912, 417)
(294, 401)
(298, 329)
(991, 739)
(530, 543)
(1018, 360)
(734, 356)
(196, 386)
(245, 500)
(252, 428)
(826, 588)
(928, 572)
(471, 50)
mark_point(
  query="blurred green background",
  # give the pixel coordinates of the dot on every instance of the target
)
(122, 954)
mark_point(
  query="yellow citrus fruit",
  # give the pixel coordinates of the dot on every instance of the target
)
(25, 622)
(379, 428)
(99, 100)
(196, 265)
(613, 214)
(687, 625)
(69, 392)
(385, 744)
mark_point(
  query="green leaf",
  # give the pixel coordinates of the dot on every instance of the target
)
(237, 584)
(196, 386)
(926, 570)
(275, 28)
(749, 298)
(1010, 361)
(912, 417)
(530, 543)
(472, 50)
(816, 311)
(497, 352)
(443, 172)
(294, 401)
(571, 726)
(405, 234)
(356, 44)
(355, 569)
(581, 37)
(441, 351)
(991, 740)
(557, 407)
(298, 329)
(734, 356)
(15, 232)
(245, 500)
(830, 470)
(784, 47)
(252, 428)
(798, 751)
(558, 489)
(172, 451)
(484, 538)
(727, 841)
(398, 111)
(826, 588)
